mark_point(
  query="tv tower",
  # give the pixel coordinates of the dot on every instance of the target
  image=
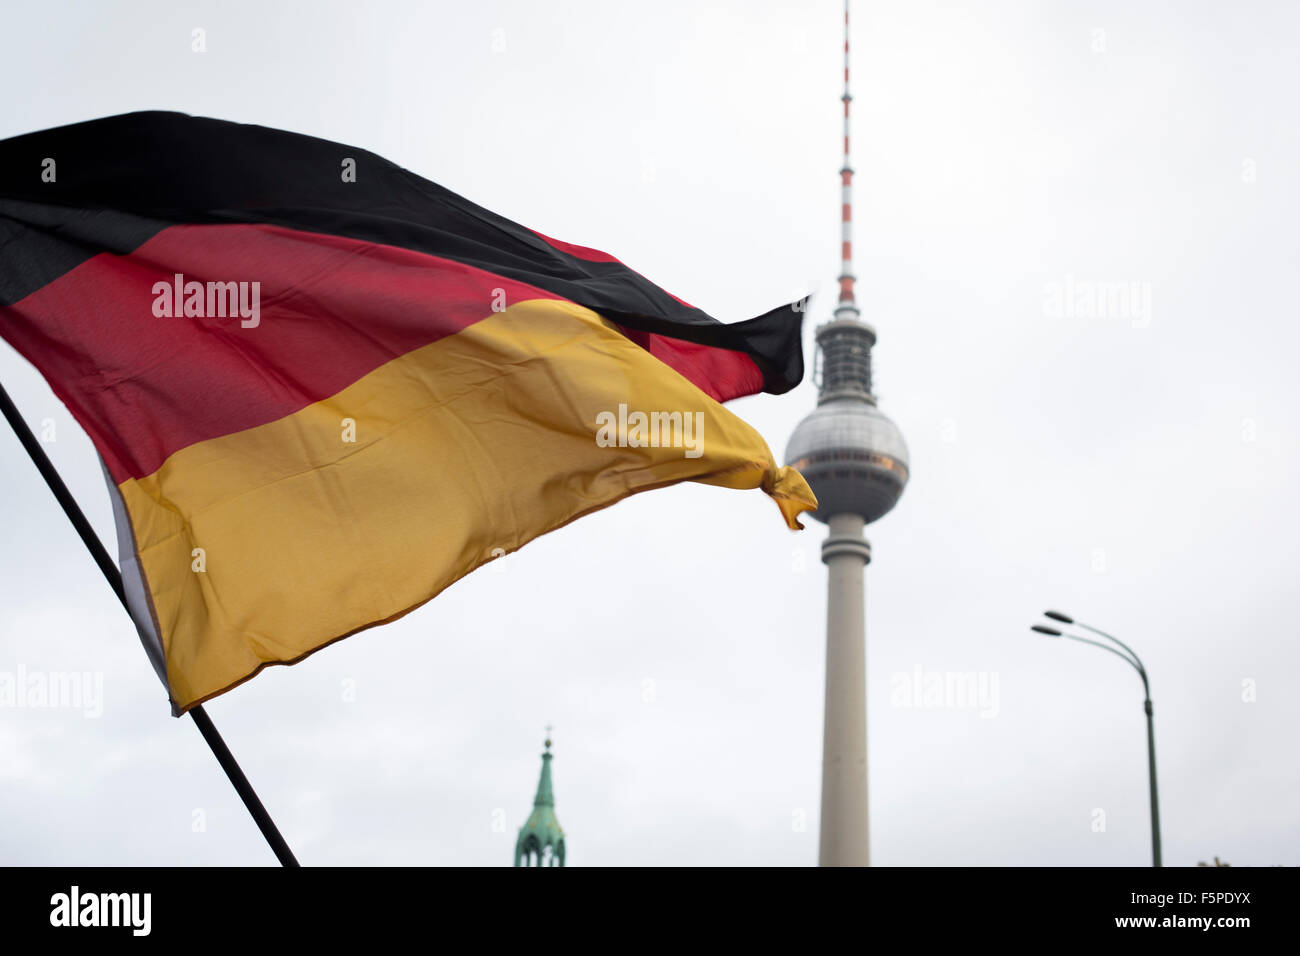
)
(855, 459)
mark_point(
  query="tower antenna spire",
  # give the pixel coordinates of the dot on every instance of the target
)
(847, 307)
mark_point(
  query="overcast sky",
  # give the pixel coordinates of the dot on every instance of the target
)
(1135, 469)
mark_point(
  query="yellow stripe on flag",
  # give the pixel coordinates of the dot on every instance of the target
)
(464, 449)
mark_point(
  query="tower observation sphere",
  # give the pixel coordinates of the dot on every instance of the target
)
(851, 453)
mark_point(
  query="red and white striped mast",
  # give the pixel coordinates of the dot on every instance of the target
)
(847, 308)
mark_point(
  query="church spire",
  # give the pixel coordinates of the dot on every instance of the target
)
(541, 839)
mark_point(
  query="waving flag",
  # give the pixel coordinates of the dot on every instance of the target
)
(324, 388)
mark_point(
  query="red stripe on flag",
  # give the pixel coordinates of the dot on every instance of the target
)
(720, 373)
(595, 255)
(331, 311)
(581, 252)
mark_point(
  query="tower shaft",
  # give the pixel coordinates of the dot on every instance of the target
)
(844, 832)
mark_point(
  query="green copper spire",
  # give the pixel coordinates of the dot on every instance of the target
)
(541, 839)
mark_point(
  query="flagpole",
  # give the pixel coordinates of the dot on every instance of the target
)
(114, 577)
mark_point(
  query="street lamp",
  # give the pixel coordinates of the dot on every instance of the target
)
(1129, 655)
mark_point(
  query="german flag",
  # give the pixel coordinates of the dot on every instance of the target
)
(324, 389)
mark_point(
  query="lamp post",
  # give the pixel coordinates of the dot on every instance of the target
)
(1128, 654)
